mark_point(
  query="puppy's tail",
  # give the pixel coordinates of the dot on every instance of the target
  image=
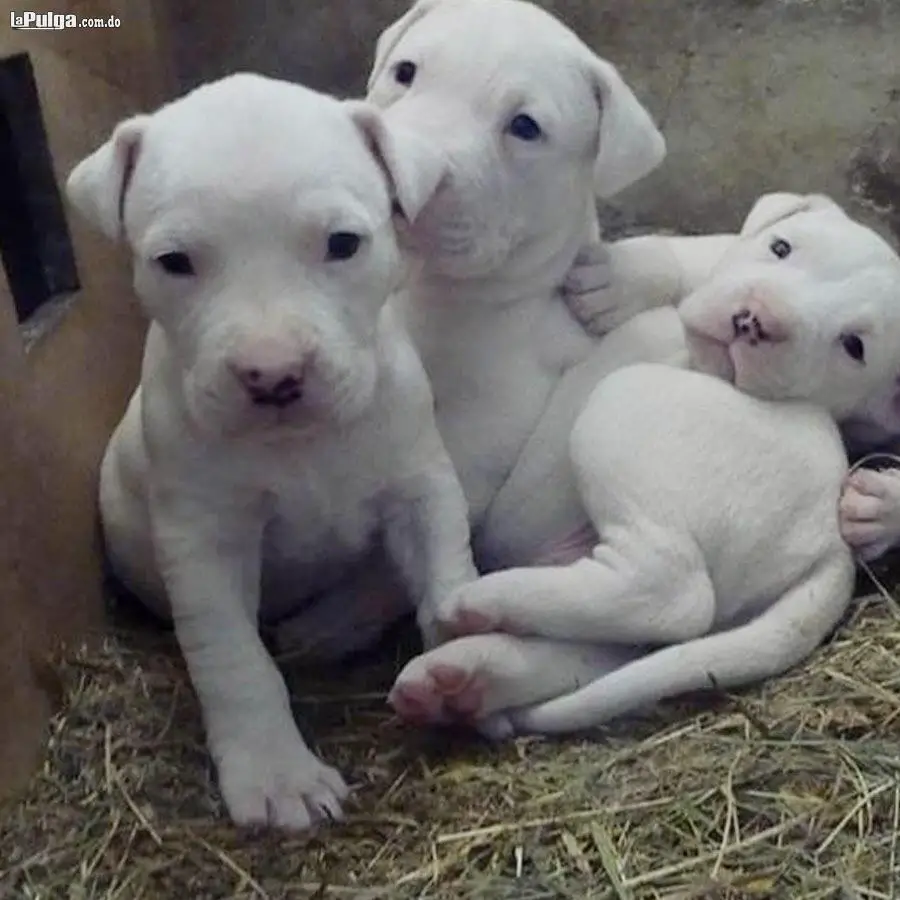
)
(786, 633)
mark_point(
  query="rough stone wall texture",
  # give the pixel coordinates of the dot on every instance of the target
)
(753, 95)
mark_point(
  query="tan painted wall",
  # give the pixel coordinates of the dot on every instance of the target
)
(59, 403)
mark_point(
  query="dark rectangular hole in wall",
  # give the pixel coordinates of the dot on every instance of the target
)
(35, 244)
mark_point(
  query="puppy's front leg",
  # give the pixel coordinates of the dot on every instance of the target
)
(609, 284)
(475, 679)
(426, 533)
(211, 566)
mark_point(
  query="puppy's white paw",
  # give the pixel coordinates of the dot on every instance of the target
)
(588, 292)
(490, 604)
(870, 511)
(279, 783)
(476, 608)
(429, 691)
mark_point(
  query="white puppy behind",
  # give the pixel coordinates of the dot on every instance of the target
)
(715, 497)
(532, 127)
(529, 126)
(283, 429)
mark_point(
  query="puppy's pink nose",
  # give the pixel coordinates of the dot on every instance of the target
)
(269, 381)
(757, 323)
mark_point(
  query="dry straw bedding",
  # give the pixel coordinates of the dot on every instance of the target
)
(788, 790)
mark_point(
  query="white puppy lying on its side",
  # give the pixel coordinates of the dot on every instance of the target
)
(283, 428)
(656, 270)
(715, 494)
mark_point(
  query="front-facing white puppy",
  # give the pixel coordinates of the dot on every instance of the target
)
(283, 428)
(715, 498)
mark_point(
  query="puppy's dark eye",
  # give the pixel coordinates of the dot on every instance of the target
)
(854, 347)
(781, 248)
(343, 245)
(524, 128)
(405, 72)
(176, 263)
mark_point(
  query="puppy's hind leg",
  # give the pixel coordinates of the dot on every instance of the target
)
(468, 679)
(784, 635)
(641, 590)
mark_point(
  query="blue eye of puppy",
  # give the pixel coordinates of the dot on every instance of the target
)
(405, 72)
(524, 128)
(175, 263)
(343, 245)
(854, 347)
(781, 248)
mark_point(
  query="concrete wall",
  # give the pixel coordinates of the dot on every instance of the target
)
(60, 401)
(753, 95)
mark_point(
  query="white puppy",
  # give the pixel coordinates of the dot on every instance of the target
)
(655, 270)
(530, 126)
(283, 427)
(715, 497)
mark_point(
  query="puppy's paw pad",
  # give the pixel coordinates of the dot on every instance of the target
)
(463, 691)
(438, 693)
(449, 679)
(417, 702)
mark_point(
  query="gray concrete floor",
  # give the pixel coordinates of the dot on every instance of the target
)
(753, 95)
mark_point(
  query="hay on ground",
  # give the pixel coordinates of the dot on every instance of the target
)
(787, 790)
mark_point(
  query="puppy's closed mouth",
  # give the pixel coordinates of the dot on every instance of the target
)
(276, 401)
(711, 354)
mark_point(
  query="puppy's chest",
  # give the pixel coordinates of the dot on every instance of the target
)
(488, 400)
(324, 510)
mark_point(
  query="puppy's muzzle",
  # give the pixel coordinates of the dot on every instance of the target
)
(756, 324)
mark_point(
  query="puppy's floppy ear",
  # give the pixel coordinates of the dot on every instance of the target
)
(772, 208)
(391, 35)
(631, 146)
(96, 187)
(414, 168)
